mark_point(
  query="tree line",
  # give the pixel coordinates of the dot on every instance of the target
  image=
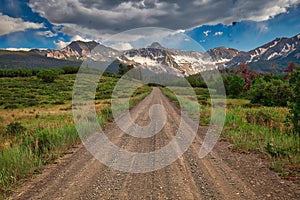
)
(34, 72)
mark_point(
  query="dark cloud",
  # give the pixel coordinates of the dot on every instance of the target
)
(90, 17)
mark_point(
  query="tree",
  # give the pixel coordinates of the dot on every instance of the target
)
(246, 73)
(234, 85)
(294, 101)
(124, 69)
(289, 69)
(275, 92)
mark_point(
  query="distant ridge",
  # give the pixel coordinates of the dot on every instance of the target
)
(278, 52)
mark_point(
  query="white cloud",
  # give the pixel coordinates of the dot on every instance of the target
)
(95, 18)
(18, 49)
(62, 44)
(206, 33)
(47, 33)
(122, 46)
(219, 33)
(78, 37)
(139, 34)
(10, 25)
(201, 2)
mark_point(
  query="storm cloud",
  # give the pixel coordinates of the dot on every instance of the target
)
(94, 17)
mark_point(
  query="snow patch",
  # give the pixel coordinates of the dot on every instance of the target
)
(275, 43)
(145, 61)
(272, 55)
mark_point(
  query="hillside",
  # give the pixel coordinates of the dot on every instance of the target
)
(31, 60)
(278, 52)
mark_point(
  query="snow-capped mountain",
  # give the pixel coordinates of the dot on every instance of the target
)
(156, 57)
(223, 55)
(279, 51)
(76, 51)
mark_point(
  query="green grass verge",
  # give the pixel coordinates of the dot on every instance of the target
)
(265, 130)
(43, 136)
(254, 128)
(28, 152)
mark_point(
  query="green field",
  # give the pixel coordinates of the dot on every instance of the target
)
(36, 124)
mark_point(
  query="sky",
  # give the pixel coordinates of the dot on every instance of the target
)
(239, 24)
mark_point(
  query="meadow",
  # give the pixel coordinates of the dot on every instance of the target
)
(253, 128)
(36, 124)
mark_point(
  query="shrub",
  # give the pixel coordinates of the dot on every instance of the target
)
(15, 128)
(16, 73)
(259, 118)
(294, 101)
(124, 69)
(48, 76)
(196, 81)
(234, 85)
(270, 93)
(70, 70)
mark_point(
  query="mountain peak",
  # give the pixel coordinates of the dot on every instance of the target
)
(84, 42)
(79, 43)
(81, 48)
(156, 45)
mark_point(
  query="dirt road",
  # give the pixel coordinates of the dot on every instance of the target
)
(220, 175)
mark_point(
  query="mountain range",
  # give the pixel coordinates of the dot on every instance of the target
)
(277, 53)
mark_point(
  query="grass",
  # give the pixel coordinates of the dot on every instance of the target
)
(44, 111)
(256, 129)
(27, 152)
(184, 98)
(31, 92)
(264, 130)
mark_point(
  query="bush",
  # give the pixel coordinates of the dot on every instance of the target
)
(270, 93)
(196, 81)
(48, 76)
(234, 85)
(294, 101)
(70, 70)
(16, 73)
(260, 118)
(15, 128)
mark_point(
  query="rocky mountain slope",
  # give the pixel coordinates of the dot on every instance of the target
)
(163, 59)
(76, 51)
(278, 52)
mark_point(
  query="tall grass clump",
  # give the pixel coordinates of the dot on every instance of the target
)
(27, 152)
(264, 130)
(16, 163)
